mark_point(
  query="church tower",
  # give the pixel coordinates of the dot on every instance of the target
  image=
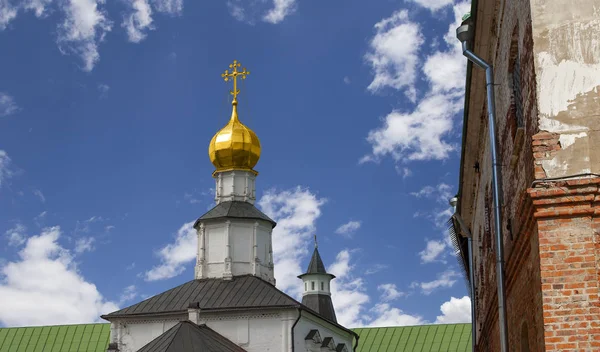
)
(317, 287)
(232, 303)
(234, 238)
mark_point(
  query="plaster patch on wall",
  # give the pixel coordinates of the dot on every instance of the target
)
(568, 139)
(560, 83)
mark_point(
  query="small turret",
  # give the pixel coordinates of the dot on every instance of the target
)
(317, 287)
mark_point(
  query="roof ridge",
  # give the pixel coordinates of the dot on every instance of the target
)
(406, 326)
(51, 326)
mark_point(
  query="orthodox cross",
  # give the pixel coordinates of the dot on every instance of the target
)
(234, 75)
(316, 244)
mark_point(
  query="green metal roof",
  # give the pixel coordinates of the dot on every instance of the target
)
(59, 338)
(95, 337)
(422, 338)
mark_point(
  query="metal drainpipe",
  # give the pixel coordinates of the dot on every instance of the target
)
(293, 326)
(465, 34)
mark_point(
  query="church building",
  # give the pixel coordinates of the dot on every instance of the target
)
(232, 303)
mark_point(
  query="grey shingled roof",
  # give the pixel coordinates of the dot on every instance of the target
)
(189, 337)
(240, 292)
(235, 209)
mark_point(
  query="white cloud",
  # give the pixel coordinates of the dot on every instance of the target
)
(84, 244)
(281, 9)
(138, 21)
(8, 106)
(172, 7)
(129, 293)
(433, 251)
(5, 167)
(393, 53)
(175, 255)
(103, 89)
(347, 80)
(386, 315)
(348, 292)
(350, 299)
(389, 292)
(16, 236)
(39, 219)
(9, 10)
(433, 5)
(7, 13)
(37, 6)
(40, 195)
(348, 228)
(405, 172)
(456, 310)
(236, 10)
(109, 228)
(375, 269)
(296, 212)
(85, 25)
(421, 134)
(446, 279)
(441, 193)
(84, 226)
(46, 274)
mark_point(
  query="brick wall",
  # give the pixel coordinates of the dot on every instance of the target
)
(550, 225)
(568, 219)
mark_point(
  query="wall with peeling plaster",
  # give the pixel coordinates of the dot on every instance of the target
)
(566, 36)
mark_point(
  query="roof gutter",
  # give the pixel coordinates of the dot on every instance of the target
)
(464, 230)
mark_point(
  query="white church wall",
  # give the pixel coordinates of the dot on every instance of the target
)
(242, 234)
(265, 331)
(235, 185)
(308, 322)
(133, 335)
(242, 240)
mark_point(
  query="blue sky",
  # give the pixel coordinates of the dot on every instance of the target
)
(107, 109)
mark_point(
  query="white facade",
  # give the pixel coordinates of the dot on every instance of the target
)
(235, 185)
(271, 330)
(265, 330)
(132, 334)
(235, 247)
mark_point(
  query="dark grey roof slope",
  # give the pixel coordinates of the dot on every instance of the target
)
(321, 304)
(316, 265)
(242, 292)
(189, 337)
(235, 209)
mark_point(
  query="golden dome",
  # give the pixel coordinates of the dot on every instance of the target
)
(235, 146)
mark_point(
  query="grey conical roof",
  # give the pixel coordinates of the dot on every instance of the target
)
(316, 265)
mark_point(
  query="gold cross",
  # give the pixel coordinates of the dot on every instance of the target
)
(233, 75)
